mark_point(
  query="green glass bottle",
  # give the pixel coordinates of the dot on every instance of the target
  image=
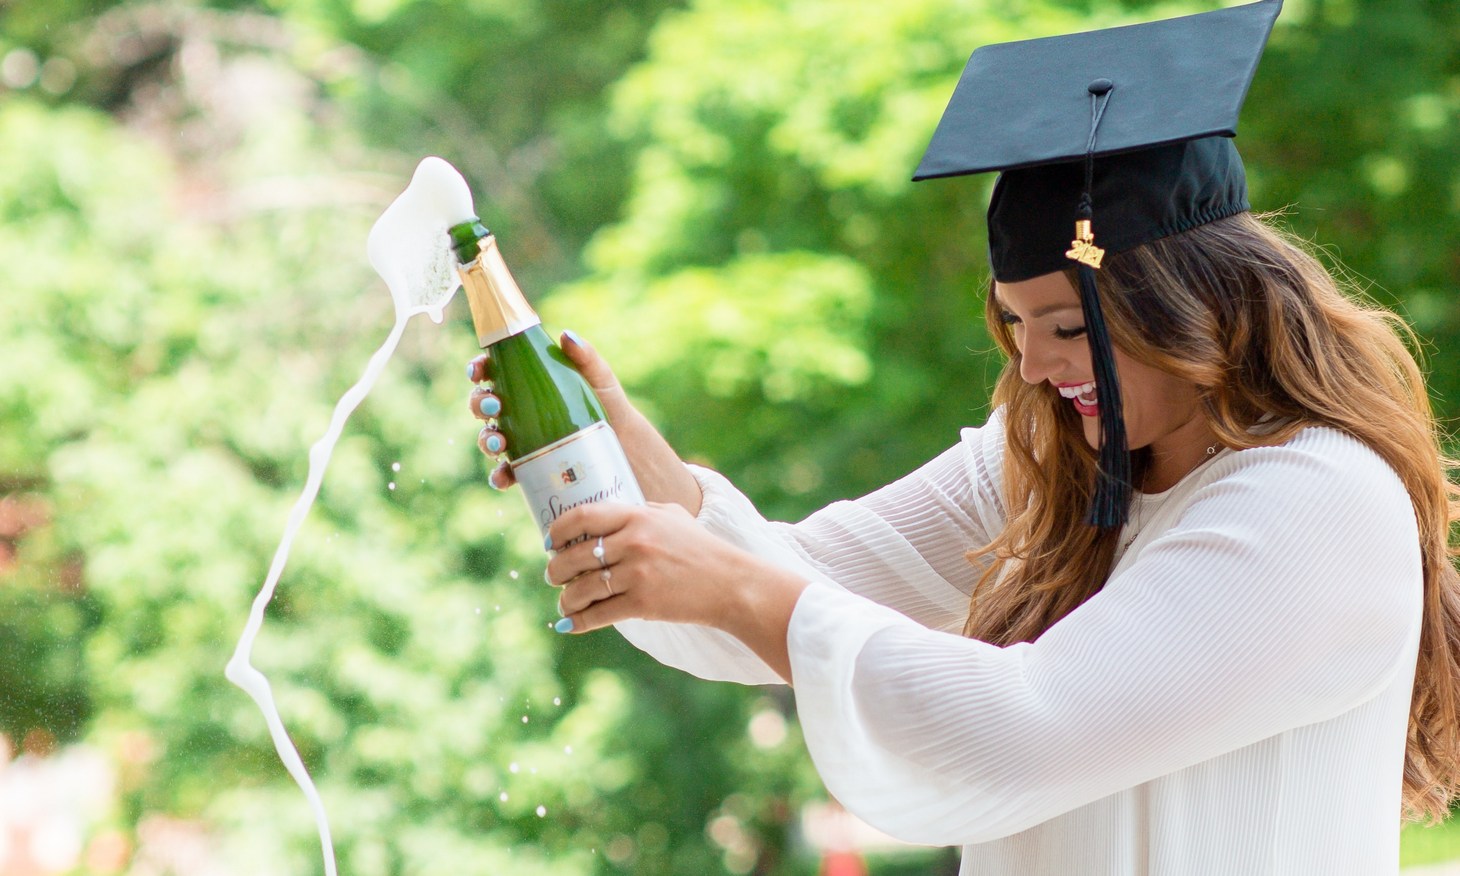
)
(559, 444)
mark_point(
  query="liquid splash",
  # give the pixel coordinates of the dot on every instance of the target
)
(409, 248)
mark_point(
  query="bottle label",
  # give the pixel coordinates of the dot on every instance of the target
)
(587, 466)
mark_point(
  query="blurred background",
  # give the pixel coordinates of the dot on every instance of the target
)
(715, 192)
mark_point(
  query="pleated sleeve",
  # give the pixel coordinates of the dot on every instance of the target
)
(1287, 592)
(902, 547)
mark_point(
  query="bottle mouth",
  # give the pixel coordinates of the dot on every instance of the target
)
(498, 307)
(466, 239)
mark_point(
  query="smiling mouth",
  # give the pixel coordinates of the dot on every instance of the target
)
(1082, 395)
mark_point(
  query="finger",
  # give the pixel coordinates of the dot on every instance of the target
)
(490, 441)
(502, 477)
(476, 369)
(591, 365)
(591, 520)
(587, 589)
(587, 605)
(587, 556)
(600, 614)
(596, 371)
(484, 404)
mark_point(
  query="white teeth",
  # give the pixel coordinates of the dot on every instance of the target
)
(1077, 391)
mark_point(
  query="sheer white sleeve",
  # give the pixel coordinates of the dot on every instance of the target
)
(1288, 592)
(902, 546)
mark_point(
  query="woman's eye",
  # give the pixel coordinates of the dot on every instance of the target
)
(1067, 334)
(1008, 318)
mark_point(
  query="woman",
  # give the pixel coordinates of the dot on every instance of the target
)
(1254, 669)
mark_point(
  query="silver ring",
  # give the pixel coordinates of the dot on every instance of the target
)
(607, 577)
(598, 553)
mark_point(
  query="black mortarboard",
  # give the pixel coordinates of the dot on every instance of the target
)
(1105, 140)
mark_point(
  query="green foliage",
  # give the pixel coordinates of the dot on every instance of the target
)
(211, 306)
(716, 194)
(1370, 160)
(1421, 845)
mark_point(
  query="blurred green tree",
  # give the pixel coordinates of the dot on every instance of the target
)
(216, 170)
(716, 194)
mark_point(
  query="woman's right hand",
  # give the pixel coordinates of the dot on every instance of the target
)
(661, 474)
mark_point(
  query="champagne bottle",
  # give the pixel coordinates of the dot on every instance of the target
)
(559, 444)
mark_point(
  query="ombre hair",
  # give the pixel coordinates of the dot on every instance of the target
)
(1266, 333)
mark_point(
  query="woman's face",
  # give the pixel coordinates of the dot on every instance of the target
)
(1161, 410)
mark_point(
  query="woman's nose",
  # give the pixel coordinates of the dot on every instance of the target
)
(1036, 362)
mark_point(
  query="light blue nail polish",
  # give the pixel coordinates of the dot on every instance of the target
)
(490, 406)
(547, 543)
(572, 337)
(471, 371)
(494, 444)
(564, 626)
(547, 575)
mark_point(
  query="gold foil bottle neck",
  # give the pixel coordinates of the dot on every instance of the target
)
(498, 308)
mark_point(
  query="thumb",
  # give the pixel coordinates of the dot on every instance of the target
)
(595, 370)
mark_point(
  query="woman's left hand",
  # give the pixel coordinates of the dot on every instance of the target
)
(616, 562)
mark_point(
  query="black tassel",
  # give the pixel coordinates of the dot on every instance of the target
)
(1110, 504)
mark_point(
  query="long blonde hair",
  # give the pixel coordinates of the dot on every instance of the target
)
(1262, 330)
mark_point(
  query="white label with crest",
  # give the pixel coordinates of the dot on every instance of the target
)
(587, 466)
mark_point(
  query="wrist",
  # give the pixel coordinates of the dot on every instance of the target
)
(659, 470)
(758, 612)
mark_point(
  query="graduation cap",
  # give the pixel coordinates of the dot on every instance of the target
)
(1104, 140)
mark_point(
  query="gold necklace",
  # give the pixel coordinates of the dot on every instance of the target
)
(1140, 504)
(1135, 527)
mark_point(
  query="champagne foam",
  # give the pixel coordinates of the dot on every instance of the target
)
(408, 245)
(410, 250)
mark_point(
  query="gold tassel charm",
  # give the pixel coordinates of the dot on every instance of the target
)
(1083, 248)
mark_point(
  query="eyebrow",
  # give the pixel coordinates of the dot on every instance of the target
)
(1039, 311)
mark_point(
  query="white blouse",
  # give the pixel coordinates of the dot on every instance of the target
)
(1234, 701)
